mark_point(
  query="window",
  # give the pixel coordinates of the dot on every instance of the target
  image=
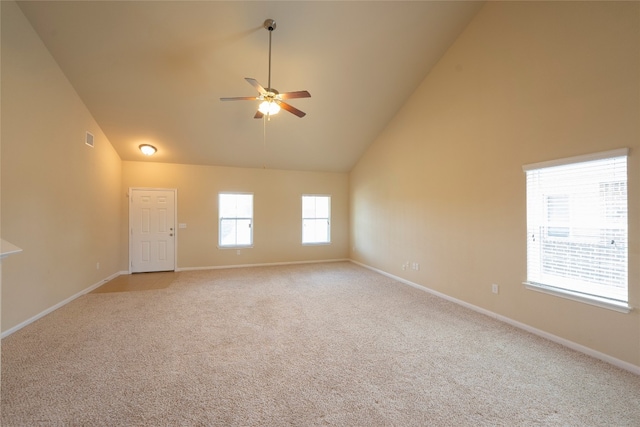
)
(577, 227)
(235, 212)
(316, 219)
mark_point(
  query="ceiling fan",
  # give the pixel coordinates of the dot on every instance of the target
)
(270, 99)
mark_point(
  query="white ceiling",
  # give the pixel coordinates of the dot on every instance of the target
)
(154, 72)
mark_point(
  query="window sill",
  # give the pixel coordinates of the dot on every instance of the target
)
(574, 296)
(316, 244)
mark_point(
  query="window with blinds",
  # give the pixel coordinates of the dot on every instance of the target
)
(316, 219)
(577, 226)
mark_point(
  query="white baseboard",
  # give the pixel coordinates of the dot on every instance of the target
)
(60, 304)
(221, 267)
(570, 344)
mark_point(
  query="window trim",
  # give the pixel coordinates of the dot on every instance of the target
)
(328, 242)
(595, 300)
(620, 152)
(236, 246)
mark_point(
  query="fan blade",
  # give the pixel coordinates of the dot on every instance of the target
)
(298, 94)
(258, 115)
(240, 98)
(258, 86)
(291, 109)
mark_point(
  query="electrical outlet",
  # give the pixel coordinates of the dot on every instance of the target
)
(494, 288)
(405, 266)
(97, 266)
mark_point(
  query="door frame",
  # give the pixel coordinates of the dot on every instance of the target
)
(175, 220)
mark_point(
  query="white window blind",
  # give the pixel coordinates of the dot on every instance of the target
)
(577, 225)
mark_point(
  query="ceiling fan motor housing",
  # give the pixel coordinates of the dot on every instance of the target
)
(270, 24)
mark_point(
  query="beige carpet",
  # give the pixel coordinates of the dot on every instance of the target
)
(306, 345)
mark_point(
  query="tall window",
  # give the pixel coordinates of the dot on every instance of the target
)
(235, 213)
(316, 219)
(577, 226)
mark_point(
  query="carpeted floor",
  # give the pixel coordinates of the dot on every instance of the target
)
(304, 345)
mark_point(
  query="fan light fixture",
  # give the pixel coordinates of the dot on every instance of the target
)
(147, 149)
(271, 101)
(269, 107)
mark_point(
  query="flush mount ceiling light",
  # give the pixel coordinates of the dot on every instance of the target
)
(147, 149)
(270, 99)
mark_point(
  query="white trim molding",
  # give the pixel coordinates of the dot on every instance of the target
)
(8, 248)
(576, 296)
(577, 159)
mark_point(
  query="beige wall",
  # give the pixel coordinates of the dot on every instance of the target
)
(277, 211)
(60, 198)
(443, 184)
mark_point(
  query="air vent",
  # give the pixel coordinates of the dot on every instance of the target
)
(89, 139)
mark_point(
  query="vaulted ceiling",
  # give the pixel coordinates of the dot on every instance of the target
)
(154, 72)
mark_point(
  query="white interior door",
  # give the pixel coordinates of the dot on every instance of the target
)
(152, 217)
